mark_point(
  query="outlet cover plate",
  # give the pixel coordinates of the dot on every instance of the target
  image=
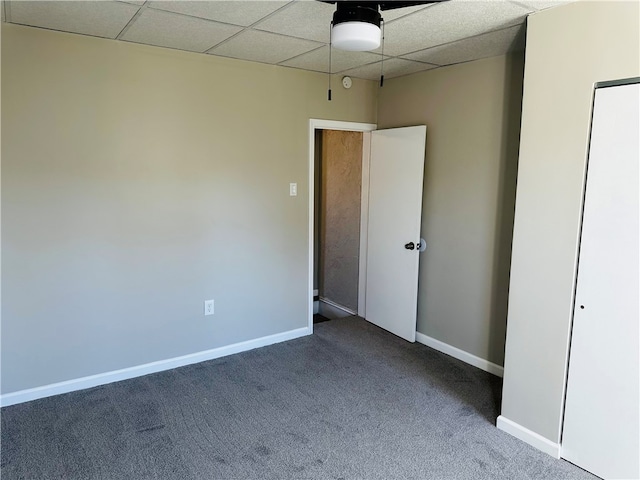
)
(208, 307)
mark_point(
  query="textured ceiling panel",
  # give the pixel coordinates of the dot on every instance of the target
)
(263, 47)
(242, 13)
(391, 15)
(318, 60)
(303, 19)
(292, 33)
(164, 29)
(449, 21)
(394, 67)
(482, 46)
(541, 4)
(100, 19)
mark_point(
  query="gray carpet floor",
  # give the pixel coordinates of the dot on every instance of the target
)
(350, 401)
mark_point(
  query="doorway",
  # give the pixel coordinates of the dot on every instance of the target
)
(338, 199)
(338, 181)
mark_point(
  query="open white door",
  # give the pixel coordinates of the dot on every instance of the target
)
(395, 208)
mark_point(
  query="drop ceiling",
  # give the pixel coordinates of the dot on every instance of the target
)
(294, 34)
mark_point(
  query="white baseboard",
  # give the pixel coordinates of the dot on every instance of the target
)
(532, 438)
(332, 310)
(140, 370)
(466, 357)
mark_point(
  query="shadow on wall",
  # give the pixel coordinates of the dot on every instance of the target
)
(512, 112)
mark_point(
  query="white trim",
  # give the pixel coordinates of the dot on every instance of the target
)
(147, 368)
(330, 309)
(311, 179)
(364, 224)
(321, 124)
(455, 352)
(532, 438)
(313, 125)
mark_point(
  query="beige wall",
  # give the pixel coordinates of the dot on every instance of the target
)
(340, 191)
(569, 48)
(138, 182)
(472, 113)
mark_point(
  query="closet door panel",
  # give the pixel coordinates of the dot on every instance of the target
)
(601, 423)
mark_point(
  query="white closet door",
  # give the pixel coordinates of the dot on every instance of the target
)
(602, 413)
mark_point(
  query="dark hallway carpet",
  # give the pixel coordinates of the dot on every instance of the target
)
(317, 318)
(350, 401)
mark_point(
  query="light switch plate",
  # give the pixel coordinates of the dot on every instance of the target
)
(293, 189)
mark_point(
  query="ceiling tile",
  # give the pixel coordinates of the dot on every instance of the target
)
(449, 21)
(542, 4)
(318, 60)
(263, 47)
(394, 67)
(482, 46)
(100, 19)
(292, 33)
(394, 14)
(165, 29)
(242, 13)
(303, 19)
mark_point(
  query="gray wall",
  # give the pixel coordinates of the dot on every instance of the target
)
(472, 113)
(138, 182)
(569, 48)
(340, 191)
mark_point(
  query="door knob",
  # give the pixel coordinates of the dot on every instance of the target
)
(410, 246)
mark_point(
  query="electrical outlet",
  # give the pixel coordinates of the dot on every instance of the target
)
(208, 307)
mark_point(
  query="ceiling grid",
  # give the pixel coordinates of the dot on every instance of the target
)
(294, 34)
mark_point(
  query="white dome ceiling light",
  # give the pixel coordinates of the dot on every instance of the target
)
(357, 26)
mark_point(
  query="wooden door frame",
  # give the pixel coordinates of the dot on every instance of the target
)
(319, 124)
